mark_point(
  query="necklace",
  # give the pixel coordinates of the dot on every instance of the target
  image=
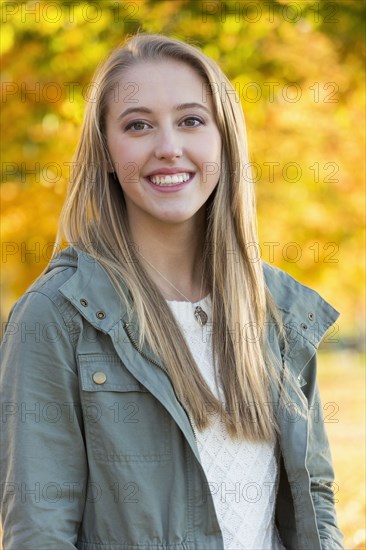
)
(199, 314)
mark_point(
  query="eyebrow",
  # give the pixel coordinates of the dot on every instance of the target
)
(180, 107)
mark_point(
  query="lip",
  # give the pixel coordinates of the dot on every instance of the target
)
(169, 171)
(170, 188)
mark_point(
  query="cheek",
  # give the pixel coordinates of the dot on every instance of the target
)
(213, 150)
(130, 172)
(213, 167)
(126, 162)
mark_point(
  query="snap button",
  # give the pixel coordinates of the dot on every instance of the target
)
(99, 377)
(303, 326)
(301, 380)
(311, 316)
(100, 314)
(84, 302)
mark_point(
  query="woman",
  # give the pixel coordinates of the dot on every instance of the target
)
(159, 382)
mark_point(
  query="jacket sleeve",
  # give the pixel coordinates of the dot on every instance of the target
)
(320, 466)
(42, 457)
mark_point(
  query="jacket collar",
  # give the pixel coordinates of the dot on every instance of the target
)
(90, 290)
(306, 315)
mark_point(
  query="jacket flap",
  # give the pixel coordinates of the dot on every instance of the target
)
(93, 294)
(105, 372)
(304, 312)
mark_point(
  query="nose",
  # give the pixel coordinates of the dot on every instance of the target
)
(168, 145)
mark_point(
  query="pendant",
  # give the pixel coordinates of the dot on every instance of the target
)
(200, 316)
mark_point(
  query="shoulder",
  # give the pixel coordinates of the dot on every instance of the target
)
(79, 288)
(42, 302)
(302, 308)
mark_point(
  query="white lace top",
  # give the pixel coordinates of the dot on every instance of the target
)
(241, 476)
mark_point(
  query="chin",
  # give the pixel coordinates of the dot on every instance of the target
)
(176, 217)
(173, 220)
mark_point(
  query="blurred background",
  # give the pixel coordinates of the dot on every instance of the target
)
(298, 68)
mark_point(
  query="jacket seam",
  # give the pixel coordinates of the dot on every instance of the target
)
(69, 325)
(304, 338)
(127, 546)
(48, 276)
(188, 482)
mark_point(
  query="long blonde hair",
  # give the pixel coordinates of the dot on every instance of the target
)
(94, 219)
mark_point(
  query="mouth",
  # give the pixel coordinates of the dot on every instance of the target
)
(170, 180)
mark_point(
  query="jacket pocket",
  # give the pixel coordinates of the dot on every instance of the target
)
(123, 421)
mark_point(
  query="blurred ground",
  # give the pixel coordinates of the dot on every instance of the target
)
(342, 385)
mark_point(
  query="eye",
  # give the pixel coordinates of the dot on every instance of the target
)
(136, 125)
(194, 119)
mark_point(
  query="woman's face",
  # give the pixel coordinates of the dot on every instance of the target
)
(164, 142)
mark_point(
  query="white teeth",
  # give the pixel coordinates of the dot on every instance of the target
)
(173, 179)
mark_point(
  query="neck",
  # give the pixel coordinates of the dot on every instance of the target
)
(173, 254)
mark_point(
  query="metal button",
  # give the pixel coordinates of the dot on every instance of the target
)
(303, 326)
(301, 380)
(311, 316)
(99, 377)
(84, 302)
(100, 314)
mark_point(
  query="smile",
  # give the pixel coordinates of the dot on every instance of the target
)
(166, 180)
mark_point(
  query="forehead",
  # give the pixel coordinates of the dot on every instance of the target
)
(163, 82)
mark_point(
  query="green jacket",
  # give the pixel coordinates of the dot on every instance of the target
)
(97, 451)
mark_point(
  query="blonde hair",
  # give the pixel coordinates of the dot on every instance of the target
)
(94, 219)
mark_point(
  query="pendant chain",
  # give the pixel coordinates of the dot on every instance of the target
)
(199, 314)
